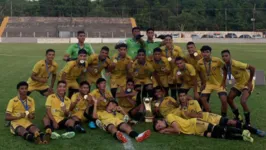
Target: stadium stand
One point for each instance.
(65, 26)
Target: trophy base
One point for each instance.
(148, 119)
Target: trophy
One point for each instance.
(147, 103)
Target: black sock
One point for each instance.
(173, 93)
(28, 137)
(236, 113)
(70, 129)
(224, 114)
(113, 91)
(238, 125)
(251, 129)
(133, 134)
(247, 117)
(233, 130)
(138, 98)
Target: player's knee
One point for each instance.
(243, 102)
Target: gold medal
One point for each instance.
(105, 100)
(195, 54)
(129, 90)
(157, 104)
(230, 81)
(96, 70)
(115, 61)
(178, 73)
(27, 113)
(62, 104)
(85, 96)
(169, 59)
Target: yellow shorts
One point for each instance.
(213, 119)
(79, 115)
(188, 87)
(201, 127)
(25, 123)
(115, 121)
(241, 87)
(73, 84)
(163, 79)
(210, 88)
(93, 78)
(35, 86)
(118, 82)
(142, 81)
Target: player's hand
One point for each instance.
(55, 125)
(31, 116)
(22, 115)
(94, 100)
(43, 80)
(196, 96)
(78, 99)
(118, 108)
(250, 86)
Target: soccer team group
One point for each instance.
(139, 69)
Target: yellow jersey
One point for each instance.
(120, 67)
(43, 70)
(81, 105)
(239, 72)
(166, 107)
(142, 71)
(97, 65)
(110, 118)
(107, 96)
(161, 66)
(73, 70)
(54, 103)
(192, 60)
(185, 126)
(186, 75)
(124, 102)
(212, 71)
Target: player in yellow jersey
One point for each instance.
(173, 124)
(210, 69)
(79, 103)
(193, 55)
(57, 111)
(162, 69)
(244, 83)
(119, 68)
(96, 63)
(171, 51)
(186, 73)
(162, 106)
(142, 71)
(21, 111)
(114, 124)
(73, 70)
(41, 72)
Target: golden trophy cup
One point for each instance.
(147, 103)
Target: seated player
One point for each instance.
(21, 111)
(73, 70)
(119, 68)
(96, 63)
(79, 103)
(57, 111)
(171, 51)
(103, 96)
(243, 86)
(127, 100)
(162, 70)
(173, 124)
(114, 124)
(41, 72)
(162, 106)
(186, 73)
(191, 109)
(210, 71)
(142, 71)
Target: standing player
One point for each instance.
(79, 103)
(134, 43)
(142, 71)
(20, 111)
(41, 72)
(162, 70)
(210, 69)
(150, 44)
(244, 83)
(119, 68)
(73, 70)
(96, 63)
(171, 51)
(193, 55)
(57, 111)
(186, 73)
(114, 124)
(72, 51)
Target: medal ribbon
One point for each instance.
(103, 95)
(61, 99)
(25, 105)
(229, 71)
(100, 63)
(208, 70)
(47, 69)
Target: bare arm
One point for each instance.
(53, 81)
(35, 78)
(9, 117)
(252, 72)
(94, 115)
(49, 114)
(173, 129)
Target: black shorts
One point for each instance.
(238, 93)
(41, 92)
(118, 127)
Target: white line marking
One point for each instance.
(18, 55)
(128, 145)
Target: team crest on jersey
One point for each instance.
(15, 100)
(53, 96)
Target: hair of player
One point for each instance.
(22, 83)
(157, 49)
(80, 32)
(61, 81)
(179, 58)
(182, 91)
(121, 45)
(135, 28)
(105, 48)
(205, 48)
(190, 43)
(100, 80)
(84, 83)
(154, 123)
(142, 51)
(130, 80)
(149, 29)
(112, 101)
(49, 50)
(82, 51)
(225, 51)
(168, 35)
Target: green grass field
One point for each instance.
(16, 64)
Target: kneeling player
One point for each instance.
(175, 124)
(20, 111)
(78, 106)
(57, 111)
(114, 124)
